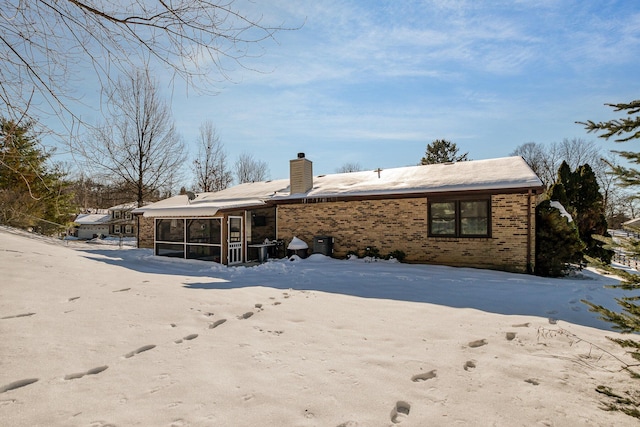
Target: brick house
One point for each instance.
(473, 214)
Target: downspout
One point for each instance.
(530, 266)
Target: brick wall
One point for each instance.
(401, 224)
(145, 230)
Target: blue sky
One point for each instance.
(374, 82)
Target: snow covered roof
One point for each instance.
(208, 204)
(632, 223)
(90, 219)
(493, 174)
(124, 206)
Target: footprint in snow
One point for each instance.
(17, 384)
(424, 376)
(400, 412)
(139, 350)
(187, 338)
(93, 371)
(478, 343)
(15, 316)
(217, 323)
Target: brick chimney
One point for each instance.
(300, 174)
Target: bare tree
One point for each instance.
(47, 42)
(534, 154)
(546, 159)
(248, 169)
(138, 143)
(349, 167)
(210, 165)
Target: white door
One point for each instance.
(234, 240)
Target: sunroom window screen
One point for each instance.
(199, 238)
(204, 231)
(170, 230)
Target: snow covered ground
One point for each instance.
(97, 335)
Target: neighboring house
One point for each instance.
(122, 222)
(115, 221)
(91, 225)
(474, 214)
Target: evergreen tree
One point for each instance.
(625, 129)
(30, 189)
(442, 151)
(579, 193)
(558, 191)
(628, 321)
(558, 243)
(591, 220)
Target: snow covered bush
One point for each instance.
(558, 243)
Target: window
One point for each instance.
(443, 219)
(204, 253)
(116, 229)
(459, 218)
(193, 238)
(128, 229)
(170, 230)
(116, 214)
(170, 250)
(235, 229)
(127, 215)
(204, 231)
(474, 218)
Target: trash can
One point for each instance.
(297, 247)
(323, 245)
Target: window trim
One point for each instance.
(458, 218)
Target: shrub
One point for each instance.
(372, 252)
(397, 254)
(353, 252)
(558, 243)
